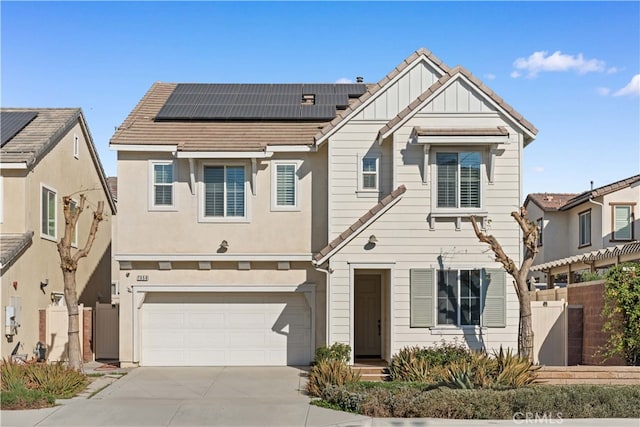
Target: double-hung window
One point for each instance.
(584, 228)
(540, 224)
(369, 174)
(224, 191)
(458, 180)
(73, 205)
(459, 297)
(285, 186)
(622, 221)
(162, 192)
(48, 213)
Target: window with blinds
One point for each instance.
(622, 217)
(163, 184)
(458, 180)
(224, 191)
(49, 213)
(285, 184)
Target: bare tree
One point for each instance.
(69, 266)
(519, 274)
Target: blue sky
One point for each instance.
(572, 69)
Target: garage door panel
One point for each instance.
(215, 329)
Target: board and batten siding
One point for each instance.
(405, 239)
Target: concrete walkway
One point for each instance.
(218, 396)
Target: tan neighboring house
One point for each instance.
(258, 222)
(585, 232)
(46, 153)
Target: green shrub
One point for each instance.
(336, 351)
(327, 373)
(426, 364)
(514, 371)
(24, 398)
(552, 402)
(621, 312)
(56, 379)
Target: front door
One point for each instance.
(367, 316)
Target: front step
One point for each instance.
(372, 373)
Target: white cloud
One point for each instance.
(612, 70)
(515, 74)
(604, 91)
(632, 89)
(540, 61)
(538, 169)
(344, 80)
(490, 76)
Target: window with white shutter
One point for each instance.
(284, 182)
(622, 219)
(161, 195)
(494, 307)
(421, 282)
(224, 191)
(458, 179)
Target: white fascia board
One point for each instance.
(377, 95)
(213, 257)
(357, 233)
(307, 287)
(14, 166)
(142, 147)
(462, 140)
(223, 154)
(291, 149)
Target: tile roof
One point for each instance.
(141, 128)
(374, 88)
(12, 245)
(449, 75)
(601, 191)
(495, 131)
(42, 133)
(631, 248)
(359, 225)
(549, 201)
(112, 182)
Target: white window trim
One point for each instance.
(274, 186)
(247, 192)
(456, 212)
(580, 216)
(151, 186)
(53, 237)
(368, 192)
(615, 206)
(76, 146)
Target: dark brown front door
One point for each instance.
(367, 316)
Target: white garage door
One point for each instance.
(225, 329)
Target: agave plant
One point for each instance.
(330, 372)
(514, 371)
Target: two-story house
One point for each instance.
(46, 154)
(260, 221)
(585, 232)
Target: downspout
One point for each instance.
(601, 218)
(327, 292)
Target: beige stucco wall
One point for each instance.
(67, 175)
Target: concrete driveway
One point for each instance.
(208, 396)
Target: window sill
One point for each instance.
(285, 209)
(49, 238)
(224, 220)
(458, 215)
(163, 209)
(457, 330)
(586, 245)
(368, 193)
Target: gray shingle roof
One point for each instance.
(12, 245)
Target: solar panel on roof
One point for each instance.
(12, 122)
(240, 101)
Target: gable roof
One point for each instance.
(601, 191)
(34, 140)
(549, 201)
(566, 201)
(374, 89)
(363, 222)
(450, 76)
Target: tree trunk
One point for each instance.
(70, 295)
(525, 333)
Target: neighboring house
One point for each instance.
(585, 232)
(258, 222)
(47, 153)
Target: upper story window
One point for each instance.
(285, 186)
(73, 205)
(459, 297)
(224, 191)
(584, 228)
(369, 173)
(622, 222)
(458, 180)
(49, 213)
(540, 224)
(162, 191)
